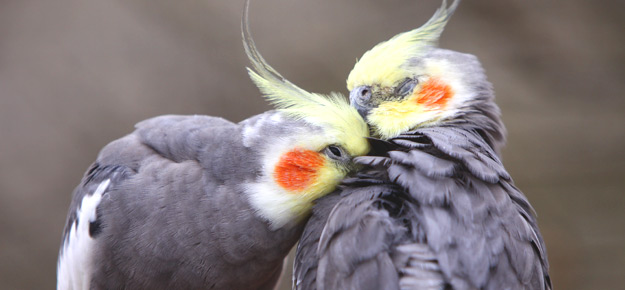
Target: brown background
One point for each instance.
(75, 75)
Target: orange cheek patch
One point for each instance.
(297, 169)
(434, 94)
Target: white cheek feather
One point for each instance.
(449, 74)
(272, 202)
(75, 263)
(268, 199)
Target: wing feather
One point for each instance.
(451, 218)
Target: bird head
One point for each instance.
(407, 83)
(314, 154)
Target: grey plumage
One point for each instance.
(175, 215)
(433, 209)
(458, 228)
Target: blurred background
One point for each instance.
(75, 75)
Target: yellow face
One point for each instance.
(433, 92)
(311, 174)
(301, 168)
(397, 89)
(306, 175)
(423, 105)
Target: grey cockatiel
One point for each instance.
(198, 202)
(435, 208)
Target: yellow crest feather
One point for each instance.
(388, 62)
(332, 112)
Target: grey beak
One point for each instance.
(360, 98)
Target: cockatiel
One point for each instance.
(435, 209)
(199, 202)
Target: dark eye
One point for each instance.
(334, 152)
(406, 87)
(364, 92)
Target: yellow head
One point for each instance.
(405, 82)
(310, 158)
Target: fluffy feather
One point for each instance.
(388, 62)
(332, 112)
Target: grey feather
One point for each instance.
(408, 143)
(361, 258)
(418, 266)
(476, 224)
(175, 215)
(373, 160)
(468, 229)
(428, 165)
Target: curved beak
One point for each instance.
(360, 99)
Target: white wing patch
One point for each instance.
(252, 131)
(74, 266)
(419, 267)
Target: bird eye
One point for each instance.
(364, 92)
(334, 152)
(361, 94)
(406, 87)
